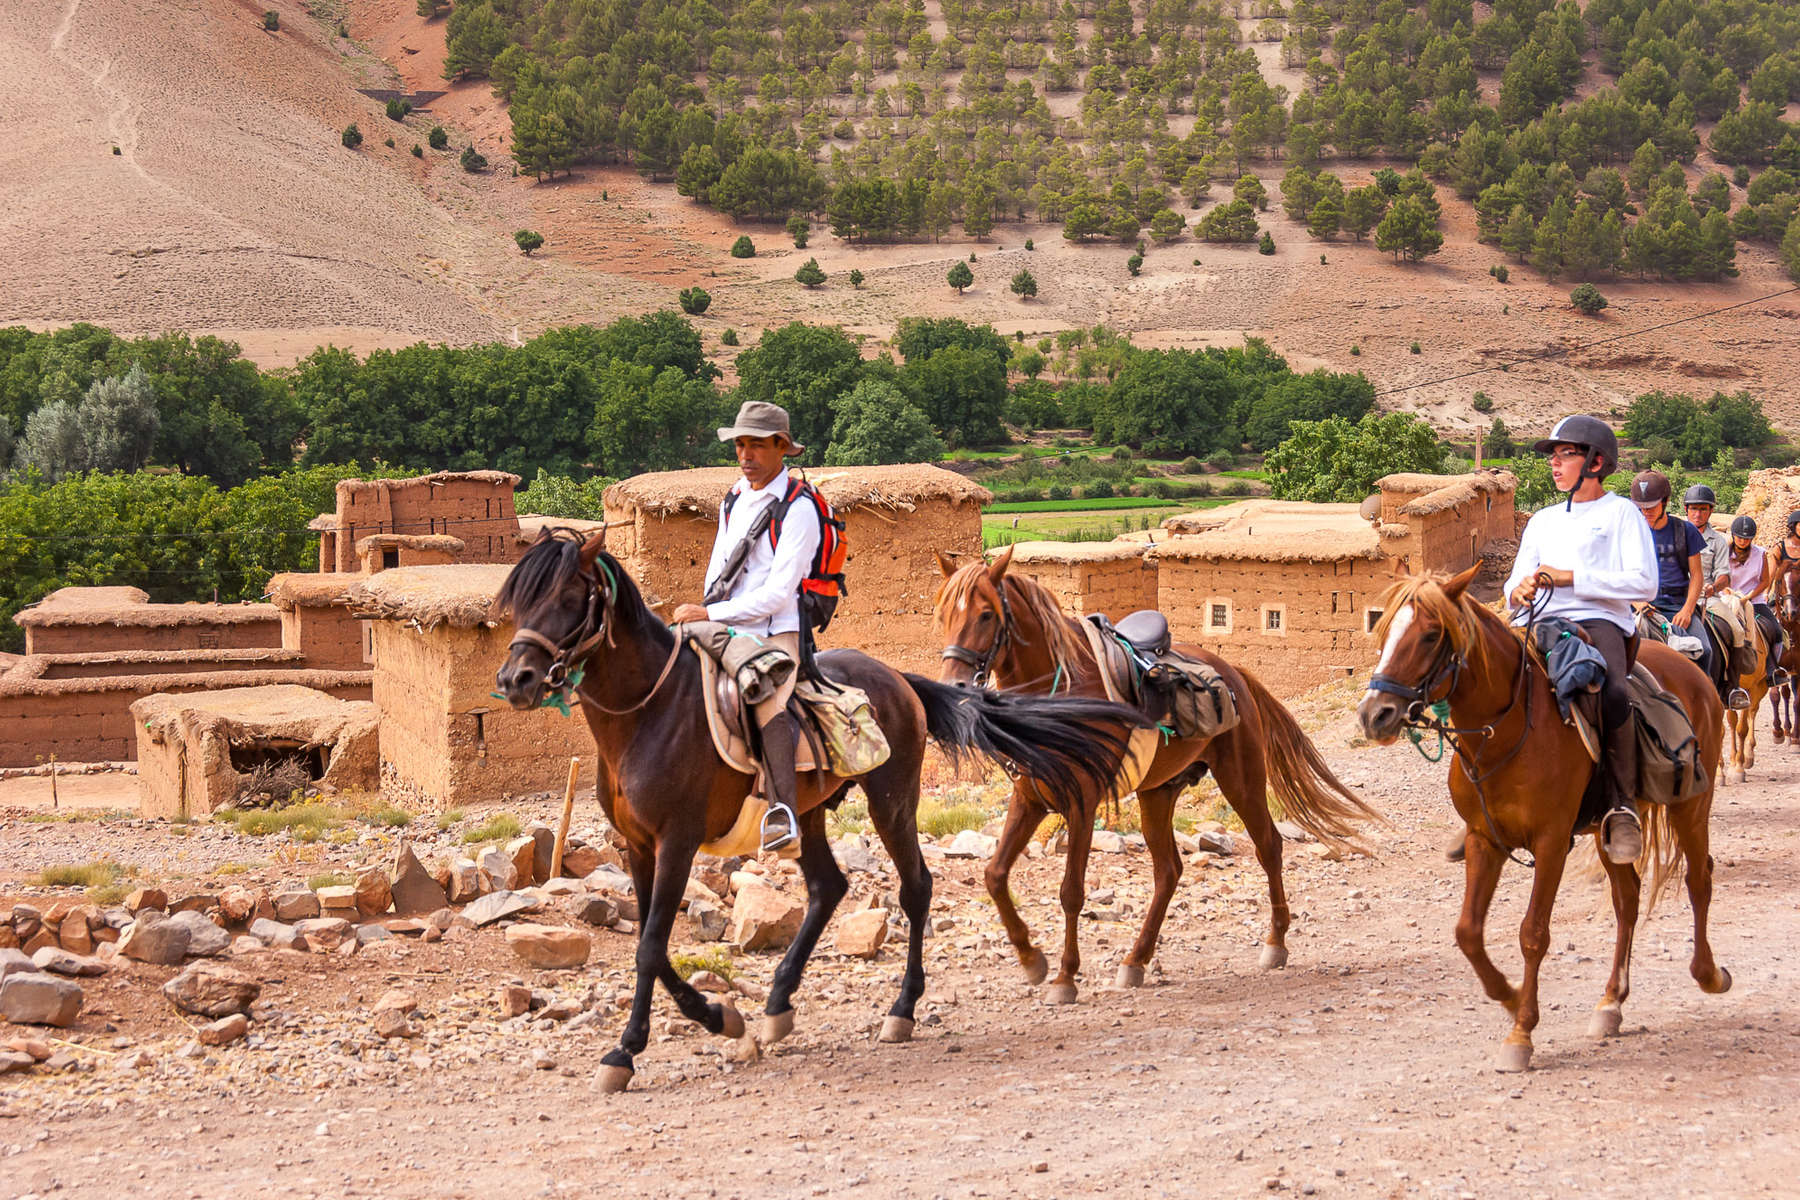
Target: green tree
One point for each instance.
(876, 423)
(798, 228)
(560, 496)
(1326, 216)
(1335, 460)
(472, 160)
(856, 278)
(743, 247)
(1790, 249)
(646, 419)
(1250, 190)
(1166, 225)
(528, 240)
(960, 276)
(1231, 222)
(1170, 402)
(694, 300)
(1407, 232)
(1023, 285)
(810, 274)
(920, 337)
(437, 139)
(699, 169)
(962, 391)
(1499, 443)
(1310, 397)
(1587, 299)
(1519, 233)
(804, 368)
(352, 136)
(1363, 209)
(541, 143)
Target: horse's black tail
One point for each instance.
(1067, 745)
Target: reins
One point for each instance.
(568, 658)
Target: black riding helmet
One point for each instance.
(1701, 494)
(1744, 527)
(1591, 434)
(1792, 522)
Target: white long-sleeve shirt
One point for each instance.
(1606, 543)
(766, 597)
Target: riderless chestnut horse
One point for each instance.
(1010, 629)
(1518, 778)
(583, 627)
(1786, 603)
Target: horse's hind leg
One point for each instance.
(1609, 1014)
(1156, 810)
(1689, 822)
(1023, 816)
(825, 886)
(1244, 781)
(893, 807)
(1073, 895)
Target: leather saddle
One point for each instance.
(1145, 632)
(732, 723)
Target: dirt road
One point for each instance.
(1361, 1069)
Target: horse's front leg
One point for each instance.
(1550, 852)
(616, 1067)
(1023, 816)
(1482, 864)
(825, 886)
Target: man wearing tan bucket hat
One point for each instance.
(753, 585)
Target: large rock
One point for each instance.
(154, 938)
(970, 843)
(274, 933)
(143, 898)
(497, 906)
(764, 919)
(205, 938)
(58, 961)
(1107, 842)
(223, 1031)
(296, 905)
(609, 879)
(414, 890)
(861, 934)
(76, 931)
(523, 853)
(854, 853)
(590, 910)
(210, 989)
(15, 962)
(549, 947)
(39, 999)
(324, 934)
(498, 871)
(1215, 843)
(708, 920)
(339, 899)
(579, 861)
(374, 894)
(237, 904)
(543, 850)
(465, 881)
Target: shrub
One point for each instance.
(1483, 402)
(1265, 244)
(1499, 272)
(1191, 465)
(117, 151)
(1587, 299)
(418, 151)
(398, 110)
(1061, 491)
(437, 139)
(388, 142)
(971, 256)
(1100, 489)
(743, 247)
(1135, 263)
(352, 136)
(473, 160)
(798, 229)
(271, 20)
(728, 338)
(496, 828)
(810, 273)
(1355, 351)
(528, 240)
(1024, 285)
(1121, 454)
(856, 278)
(1415, 348)
(694, 300)
(1029, 245)
(1321, 260)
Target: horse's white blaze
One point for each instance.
(1396, 630)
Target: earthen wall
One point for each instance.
(194, 632)
(477, 510)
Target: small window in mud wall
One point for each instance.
(368, 640)
(1274, 619)
(1218, 615)
(390, 557)
(1371, 618)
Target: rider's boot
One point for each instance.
(1621, 833)
(781, 824)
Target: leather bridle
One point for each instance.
(566, 656)
(983, 661)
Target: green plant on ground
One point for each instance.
(939, 819)
(852, 816)
(272, 21)
(448, 818)
(729, 338)
(352, 136)
(743, 247)
(472, 160)
(304, 822)
(96, 873)
(810, 274)
(330, 879)
(528, 240)
(418, 151)
(856, 278)
(437, 139)
(497, 828)
(717, 959)
(398, 110)
(388, 816)
(694, 300)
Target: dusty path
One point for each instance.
(1359, 1070)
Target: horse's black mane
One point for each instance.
(555, 558)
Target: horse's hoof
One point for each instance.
(776, 1026)
(731, 1022)
(1721, 983)
(1605, 1022)
(1037, 967)
(1129, 976)
(1513, 1058)
(896, 1029)
(1737, 777)
(1272, 957)
(613, 1079)
(1060, 993)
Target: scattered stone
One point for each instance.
(274, 933)
(579, 861)
(143, 898)
(392, 1023)
(498, 871)
(372, 932)
(223, 1031)
(861, 934)
(205, 938)
(1107, 842)
(60, 962)
(37, 1049)
(40, 999)
(764, 919)
(412, 887)
(374, 894)
(76, 930)
(399, 999)
(197, 902)
(610, 879)
(237, 904)
(523, 853)
(211, 989)
(591, 910)
(563, 886)
(708, 920)
(707, 981)
(137, 1060)
(298, 905)
(339, 898)
(497, 906)
(1292, 832)
(465, 881)
(154, 938)
(515, 1000)
(322, 935)
(543, 850)
(244, 944)
(854, 853)
(1187, 843)
(1215, 843)
(405, 926)
(549, 947)
(12, 1060)
(442, 919)
(542, 1061)
(561, 1010)
(45, 936)
(15, 962)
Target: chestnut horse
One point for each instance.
(1741, 723)
(1518, 778)
(1010, 628)
(1786, 603)
(583, 627)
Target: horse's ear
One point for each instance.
(1460, 582)
(997, 568)
(590, 549)
(946, 567)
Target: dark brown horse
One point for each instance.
(1518, 780)
(583, 625)
(1786, 603)
(1010, 628)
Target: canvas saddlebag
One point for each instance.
(1199, 702)
(1669, 766)
(854, 742)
